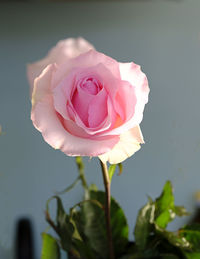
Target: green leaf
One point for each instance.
(144, 225)
(191, 255)
(84, 250)
(93, 227)
(111, 171)
(165, 210)
(90, 222)
(63, 225)
(93, 187)
(112, 168)
(50, 248)
(181, 211)
(119, 224)
(173, 238)
(192, 234)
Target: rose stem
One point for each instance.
(80, 165)
(106, 180)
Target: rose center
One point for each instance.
(90, 85)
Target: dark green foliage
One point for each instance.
(82, 232)
(153, 240)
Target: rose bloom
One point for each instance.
(86, 103)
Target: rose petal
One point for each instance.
(97, 110)
(125, 101)
(94, 63)
(81, 101)
(41, 91)
(131, 72)
(64, 90)
(63, 51)
(129, 143)
(46, 120)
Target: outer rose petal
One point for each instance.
(63, 51)
(46, 120)
(94, 62)
(133, 74)
(129, 143)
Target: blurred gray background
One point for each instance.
(162, 36)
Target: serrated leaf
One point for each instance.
(50, 248)
(143, 225)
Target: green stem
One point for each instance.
(80, 166)
(106, 181)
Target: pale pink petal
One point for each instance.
(132, 73)
(81, 101)
(128, 144)
(64, 90)
(61, 102)
(93, 58)
(125, 101)
(103, 126)
(41, 91)
(75, 130)
(97, 109)
(64, 50)
(62, 94)
(92, 63)
(46, 120)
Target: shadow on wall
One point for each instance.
(24, 242)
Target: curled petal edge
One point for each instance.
(128, 144)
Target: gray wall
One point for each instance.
(164, 38)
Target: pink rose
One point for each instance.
(86, 103)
